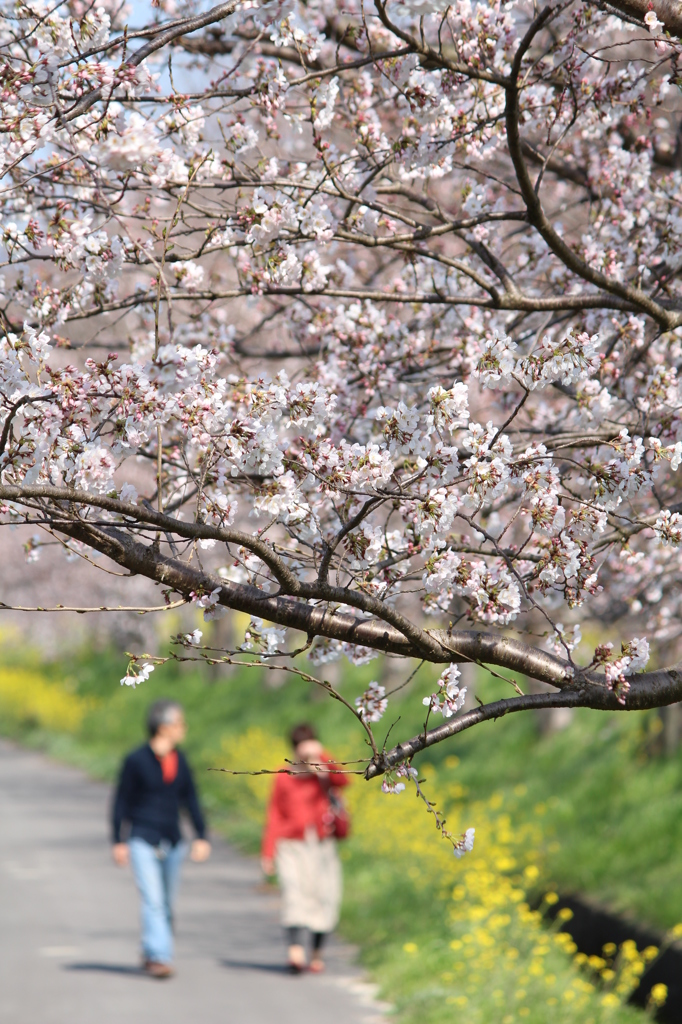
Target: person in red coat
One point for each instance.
(299, 845)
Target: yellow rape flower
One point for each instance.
(27, 696)
(658, 994)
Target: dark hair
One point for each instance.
(160, 713)
(302, 732)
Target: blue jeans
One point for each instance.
(157, 873)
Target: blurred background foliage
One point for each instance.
(595, 808)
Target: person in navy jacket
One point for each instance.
(155, 783)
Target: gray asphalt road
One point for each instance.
(68, 925)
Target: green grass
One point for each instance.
(603, 818)
(612, 813)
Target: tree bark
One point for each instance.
(667, 11)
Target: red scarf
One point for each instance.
(169, 766)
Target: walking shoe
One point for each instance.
(297, 962)
(157, 970)
(316, 966)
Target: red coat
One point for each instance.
(299, 802)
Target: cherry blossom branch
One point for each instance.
(488, 712)
(434, 57)
(236, 662)
(163, 38)
(536, 214)
(351, 525)
(579, 687)
(14, 409)
(648, 690)
(286, 771)
(117, 547)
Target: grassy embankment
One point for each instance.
(585, 810)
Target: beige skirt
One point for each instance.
(309, 874)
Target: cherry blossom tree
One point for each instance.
(363, 318)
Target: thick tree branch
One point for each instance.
(147, 515)
(392, 633)
(667, 11)
(419, 639)
(488, 712)
(648, 690)
(579, 688)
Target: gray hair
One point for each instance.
(161, 713)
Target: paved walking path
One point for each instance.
(68, 925)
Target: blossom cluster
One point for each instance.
(373, 703)
(449, 697)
